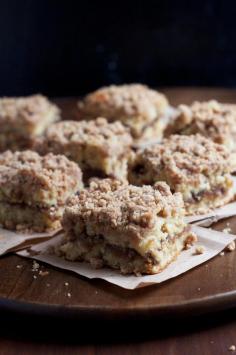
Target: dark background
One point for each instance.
(71, 47)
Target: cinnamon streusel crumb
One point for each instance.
(136, 105)
(97, 146)
(24, 118)
(34, 189)
(27, 177)
(192, 165)
(211, 119)
(124, 206)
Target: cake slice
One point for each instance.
(143, 110)
(133, 229)
(100, 148)
(22, 119)
(34, 189)
(211, 119)
(192, 165)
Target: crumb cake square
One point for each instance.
(193, 165)
(143, 110)
(100, 148)
(133, 229)
(211, 119)
(24, 118)
(34, 189)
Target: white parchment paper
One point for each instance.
(11, 241)
(212, 241)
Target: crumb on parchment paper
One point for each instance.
(199, 250)
(227, 230)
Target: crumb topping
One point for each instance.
(120, 102)
(48, 172)
(25, 109)
(182, 157)
(121, 206)
(96, 133)
(209, 118)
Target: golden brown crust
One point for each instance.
(24, 112)
(135, 105)
(212, 119)
(122, 207)
(100, 148)
(26, 177)
(183, 159)
(108, 137)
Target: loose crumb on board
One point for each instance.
(232, 348)
(35, 266)
(222, 253)
(66, 284)
(19, 266)
(43, 273)
(231, 246)
(69, 294)
(48, 284)
(35, 277)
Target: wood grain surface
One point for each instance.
(211, 286)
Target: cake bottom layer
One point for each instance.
(98, 252)
(23, 218)
(206, 200)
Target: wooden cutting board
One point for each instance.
(57, 293)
